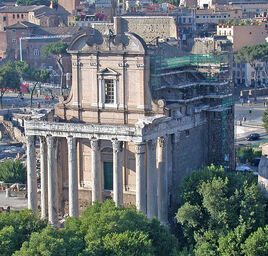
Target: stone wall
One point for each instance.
(146, 27)
(14, 132)
(189, 153)
(150, 27)
(221, 139)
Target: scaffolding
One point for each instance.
(192, 60)
(211, 66)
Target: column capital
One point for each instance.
(140, 147)
(162, 141)
(152, 143)
(42, 139)
(71, 140)
(117, 146)
(94, 143)
(50, 140)
(30, 140)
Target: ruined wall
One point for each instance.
(203, 45)
(150, 27)
(14, 132)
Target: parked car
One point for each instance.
(244, 168)
(253, 136)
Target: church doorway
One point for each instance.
(108, 175)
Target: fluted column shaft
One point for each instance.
(43, 170)
(73, 179)
(140, 177)
(96, 189)
(52, 209)
(151, 179)
(162, 201)
(31, 174)
(117, 174)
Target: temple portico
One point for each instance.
(150, 166)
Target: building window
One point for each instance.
(14, 30)
(4, 18)
(21, 16)
(14, 40)
(109, 90)
(187, 133)
(36, 52)
(13, 16)
(18, 16)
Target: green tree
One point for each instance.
(9, 79)
(20, 66)
(218, 206)
(12, 172)
(253, 55)
(15, 228)
(8, 241)
(37, 76)
(48, 242)
(103, 230)
(265, 119)
(57, 50)
(102, 220)
(257, 243)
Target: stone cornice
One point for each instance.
(144, 130)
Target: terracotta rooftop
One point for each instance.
(19, 9)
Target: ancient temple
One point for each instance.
(131, 128)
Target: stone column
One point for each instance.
(43, 170)
(162, 201)
(140, 177)
(151, 179)
(52, 209)
(31, 174)
(73, 179)
(58, 169)
(96, 188)
(117, 174)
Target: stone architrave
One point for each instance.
(73, 177)
(140, 177)
(117, 173)
(31, 174)
(52, 209)
(151, 179)
(96, 190)
(162, 189)
(43, 170)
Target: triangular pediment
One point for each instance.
(108, 71)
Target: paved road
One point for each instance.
(252, 125)
(15, 202)
(243, 111)
(11, 100)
